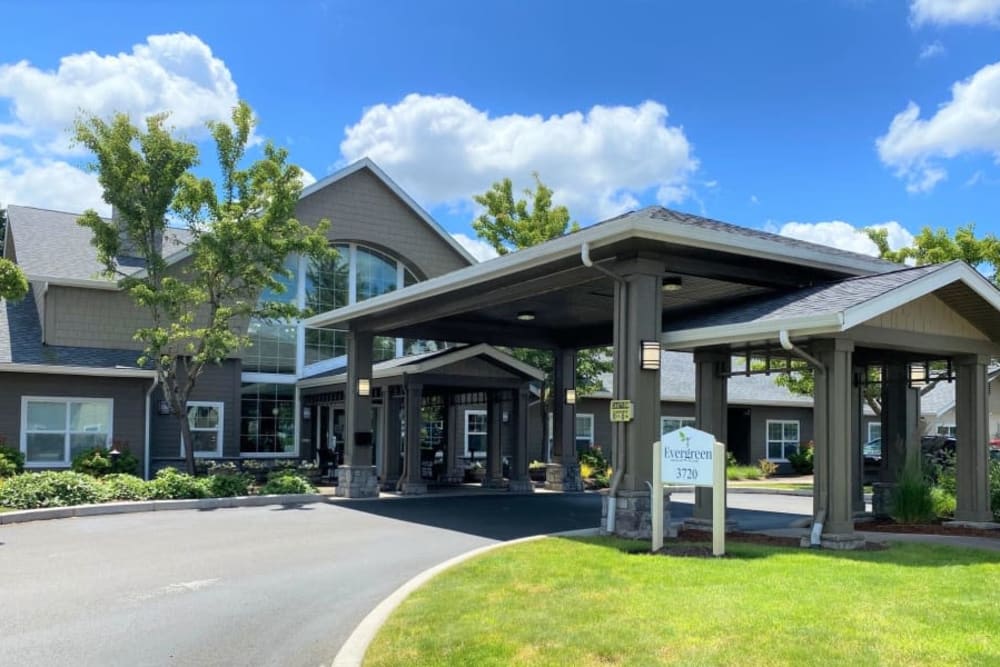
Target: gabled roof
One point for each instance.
(834, 307)
(367, 163)
(430, 361)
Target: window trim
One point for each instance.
(868, 428)
(664, 418)
(65, 400)
(258, 378)
(768, 441)
(576, 436)
(220, 429)
(465, 441)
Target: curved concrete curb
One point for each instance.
(352, 653)
(21, 516)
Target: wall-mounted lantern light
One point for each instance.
(163, 407)
(571, 397)
(650, 355)
(307, 412)
(364, 387)
(918, 375)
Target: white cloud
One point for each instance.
(478, 248)
(50, 184)
(175, 72)
(955, 12)
(845, 236)
(599, 162)
(754, 200)
(968, 123)
(307, 178)
(932, 50)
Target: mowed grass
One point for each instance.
(590, 602)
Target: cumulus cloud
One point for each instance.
(955, 12)
(599, 162)
(932, 50)
(307, 178)
(50, 184)
(968, 123)
(845, 236)
(478, 248)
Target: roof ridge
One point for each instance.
(42, 208)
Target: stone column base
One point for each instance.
(521, 486)
(706, 524)
(413, 488)
(494, 483)
(357, 482)
(389, 484)
(633, 516)
(836, 541)
(563, 477)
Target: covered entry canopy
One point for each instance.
(630, 279)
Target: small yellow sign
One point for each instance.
(621, 411)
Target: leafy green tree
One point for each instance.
(510, 224)
(241, 230)
(13, 282)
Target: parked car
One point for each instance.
(872, 452)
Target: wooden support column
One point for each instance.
(494, 423)
(832, 499)
(412, 483)
(357, 478)
(711, 405)
(972, 439)
(858, 436)
(563, 473)
(520, 481)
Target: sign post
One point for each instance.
(690, 457)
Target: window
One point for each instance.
(377, 274)
(267, 422)
(782, 438)
(206, 421)
(874, 430)
(946, 429)
(670, 424)
(54, 430)
(584, 431)
(475, 433)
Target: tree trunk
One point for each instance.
(186, 439)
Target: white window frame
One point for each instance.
(768, 441)
(65, 400)
(869, 427)
(685, 421)
(468, 454)
(220, 428)
(576, 436)
(946, 430)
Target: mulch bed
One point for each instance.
(884, 526)
(692, 543)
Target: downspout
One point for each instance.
(815, 537)
(149, 418)
(620, 317)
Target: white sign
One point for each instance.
(688, 457)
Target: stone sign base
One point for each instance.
(563, 477)
(633, 516)
(357, 482)
(706, 525)
(837, 542)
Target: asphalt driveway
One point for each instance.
(246, 586)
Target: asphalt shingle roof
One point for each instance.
(50, 243)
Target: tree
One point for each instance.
(240, 231)
(13, 282)
(509, 225)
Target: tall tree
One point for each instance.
(13, 282)
(241, 229)
(510, 224)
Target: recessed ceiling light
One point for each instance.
(526, 315)
(671, 284)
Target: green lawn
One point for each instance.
(589, 602)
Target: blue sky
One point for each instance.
(808, 118)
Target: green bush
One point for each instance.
(170, 484)
(943, 501)
(10, 460)
(99, 462)
(738, 472)
(280, 484)
(731, 460)
(119, 486)
(229, 485)
(49, 489)
(911, 498)
(767, 468)
(594, 457)
(802, 460)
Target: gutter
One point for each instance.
(88, 371)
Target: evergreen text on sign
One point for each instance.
(687, 457)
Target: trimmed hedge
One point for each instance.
(50, 489)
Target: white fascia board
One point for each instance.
(727, 334)
(947, 274)
(398, 191)
(88, 283)
(47, 369)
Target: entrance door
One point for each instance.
(738, 430)
(377, 437)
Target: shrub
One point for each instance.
(594, 457)
(223, 468)
(743, 472)
(49, 489)
(767, 468)
(911, 498)
(98, 462)
(995, 489)
(586, 471)
(731, 460)
(229, 485)
(802, 460)
(119, 486)
(281, 484)
(536, 465)
(10, 459)
(173, 485)
(943, 501)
